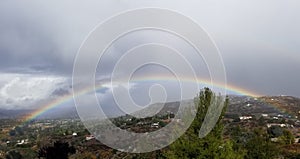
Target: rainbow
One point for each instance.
(64, 99)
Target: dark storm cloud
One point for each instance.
(259, 41)
(25, 42)
(60, 92)
(46, 35)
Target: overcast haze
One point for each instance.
(258, 40)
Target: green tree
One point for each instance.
(275, 131)
(13, 155)
(19, 130)
(212, 145)
(287, 137)
(12, 132)
(261, 121)
(260, 146)
(59, 150)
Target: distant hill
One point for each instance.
(243, 105)
(163, 108)
(67, 112)
(57, 113)
(288, 104)
(246, 105)
(13, 114)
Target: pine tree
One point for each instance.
(212, 145)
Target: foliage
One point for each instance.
(260, 146)
(211, 146)
(287, 137)
(12, 132)
(13, 155)
(85, 155)
(59, 150)
(275, 131)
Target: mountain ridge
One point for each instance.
(242, 105)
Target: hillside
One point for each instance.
(288, 104)
(242, 105)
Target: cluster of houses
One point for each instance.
(19, 142)
(294, 127)
(245, 117)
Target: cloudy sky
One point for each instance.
(258, 41)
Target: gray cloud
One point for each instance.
(259, 41)
(60, 92)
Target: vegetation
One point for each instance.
(59, 150)
(211, 146)
(231, 137)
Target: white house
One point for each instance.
(89, 137)
(264, 115)
(275, 124)
(156, 125)
(245, 117)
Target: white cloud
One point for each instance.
(25, 91)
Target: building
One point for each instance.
(275, 124)
(245, 117)
(89, 137)
(155, 125)
(264, 115)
